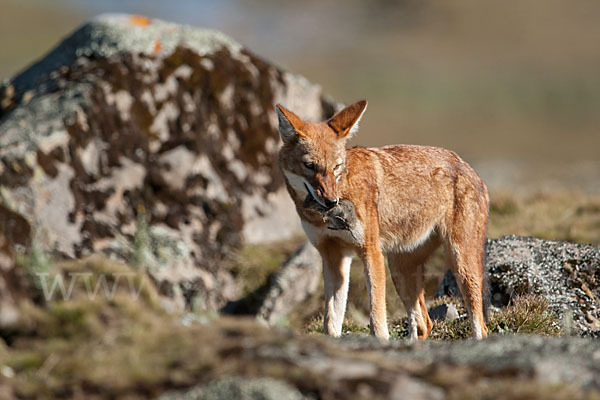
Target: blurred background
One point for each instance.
(512, 87)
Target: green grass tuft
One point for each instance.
(315, 327)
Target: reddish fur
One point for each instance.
(400, 193)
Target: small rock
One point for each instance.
(444, 312)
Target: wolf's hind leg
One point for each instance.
(408, 276)
(466, 261)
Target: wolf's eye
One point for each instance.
(309, 164)
(338, 169)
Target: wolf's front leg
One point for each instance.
(336, 274)
(375, 276)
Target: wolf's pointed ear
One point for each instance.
(290, 124)
(345, 122)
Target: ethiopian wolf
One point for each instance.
(408, 200)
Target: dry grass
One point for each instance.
(568, 216)
(315, 326)
(125, 343)
(524, 315)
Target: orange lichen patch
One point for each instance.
(157, 46)
(140, 20)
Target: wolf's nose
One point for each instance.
(330, 202)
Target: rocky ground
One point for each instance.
(565, 274)
(128, 346)
(139, 200)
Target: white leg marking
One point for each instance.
(336, 295)
(476, 328)
(412, 325)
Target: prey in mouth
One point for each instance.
(340, 217)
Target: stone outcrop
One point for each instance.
(135, 122)
(296, 280)
(566, 274)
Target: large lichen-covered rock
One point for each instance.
(132, 120)
(566, 274)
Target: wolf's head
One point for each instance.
(313, 155)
